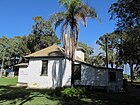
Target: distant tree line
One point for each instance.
(11, 49)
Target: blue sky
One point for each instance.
(16, 18)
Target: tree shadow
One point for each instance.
(95, 98)
(14, 94)
(10, 93)
(23, 95)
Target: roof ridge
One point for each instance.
(50, 48)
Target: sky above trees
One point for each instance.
(17, 18)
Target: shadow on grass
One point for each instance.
(23, 95)
(8, 93)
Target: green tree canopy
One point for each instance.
(42, 35)
(109, 44)
(126, 12)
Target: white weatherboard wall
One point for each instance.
(95, 76)
(59, 73)
(92, 76)
(23, 75)
(101, 77)
(116, 86)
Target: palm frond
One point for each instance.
(58, 23)
(64, 27)
(57, 17)
(83, 17)
(88, 11)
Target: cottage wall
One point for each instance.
(116, 86)
(59, 73)
(23, 75)
(99, 77)
(92, 76)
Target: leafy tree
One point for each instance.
(126, 12)
(4, 51)
(75, 10)
(10, 49)
(109, 40)
(98, 60)
(19, 45)
(129, 49)
(42, 35)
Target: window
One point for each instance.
(112, 76)
(77, 72)
(44, 67)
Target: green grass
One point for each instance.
(21, 96)
(10, 95)
(8, 81)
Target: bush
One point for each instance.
(56, 91)
(73, 92)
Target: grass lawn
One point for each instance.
(8, 81)
(10, 95)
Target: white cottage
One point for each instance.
(49, 68)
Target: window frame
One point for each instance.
(111, 76)
(79, 74)
(44, 69)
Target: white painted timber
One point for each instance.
(59, 73)
(23, 75)
(79, 54)
(93, 76)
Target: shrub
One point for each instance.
(73, 92)
(55, 92)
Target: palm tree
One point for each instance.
(75, 10)
(108, 44)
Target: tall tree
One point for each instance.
(4, 51)
(126, 12)
(109, 40)
(99, 60)
(42, 35)
(75, 10)
(19, 44)
(10, 49)
(129, 50)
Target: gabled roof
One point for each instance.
(53, 50)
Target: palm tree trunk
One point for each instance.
(73, 57)
(106, 41)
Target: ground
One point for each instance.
(13, 95)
